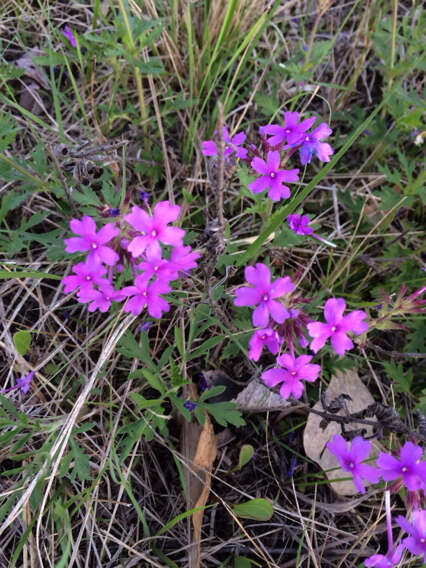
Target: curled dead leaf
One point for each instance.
(315, 438)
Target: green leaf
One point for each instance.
(257, 509)
(81, 462)
(22, 341)
(246, 453)
(6, 274)
(143, 403)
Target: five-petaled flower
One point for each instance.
(294, 371)
(264, 295)
(272, 176)
(416, 542)
(92, 241)
(154, 229)
(351, 459)
(300, 224)
(337, 327)
(409, 466)
(313, 143)
(292, 131)
(261, 337)
(102, 298)
(87, 274)
(382, 561)
(232, 145)
(145, 294)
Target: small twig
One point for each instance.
(221, 165)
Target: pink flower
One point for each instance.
(67, 32)
(22, 383)
(261, 337)
(92, 241)
(337, 327)
(416, 542)
(312, 143)
(88, 273)
(155, 265)
(299, 224)
(382, 561)
(145, 294)
(154, 229)
(272, 177)
(294, 372)
(184, 259)
(264, 295)
(232, 145)
(292, 131)
(409, 466)
(101, 299)
(350, 459)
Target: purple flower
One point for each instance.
(264, 295)
(350, 459)
(191, 406)
(261, 337)
(292, 131)
(299, 224)
(67, 32)
(183, 259)
(92, 241)
(154, 229)
(22, 383)
(145, 294)
(231, 145)
(416, 542)
(409, 466)
(272, 177)
(101, 299)
(382, 561)
(337, 327)
(155, 265)
(312, 143)
(294, 372)
(88, 273)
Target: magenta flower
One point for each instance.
(67, 32)
(232, 145)
(337, 327)
(351, 459)
(154, 229)
(272, 177)
(416, 542)
(88, 273)
(292, 131)
(299, 224)
(382, 561)
(145, 294)
(409, 466)
(155, 265)
(261, 337)
(184, 259)
(92, 241)
(312, 143)
(294, 372)
(264, 295)
(101, 299)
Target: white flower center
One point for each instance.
(88, 278)
(263, 337)
(154, 233)
(404, 469)
(94, 246)
(333, 329)
(156, 268)
(272, 175)
(145, 294)
(423, 540)
(293, 373)
(265, 297)
(287, 130)
(307, 139)
(351, 465)
(107, 298)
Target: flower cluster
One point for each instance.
(281, 323)
(136, 242)
(409, 470)
(276, 150)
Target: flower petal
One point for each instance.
(333, 310)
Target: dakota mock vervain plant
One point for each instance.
(410, 467)
(136, 242)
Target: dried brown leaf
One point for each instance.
(315, 438)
